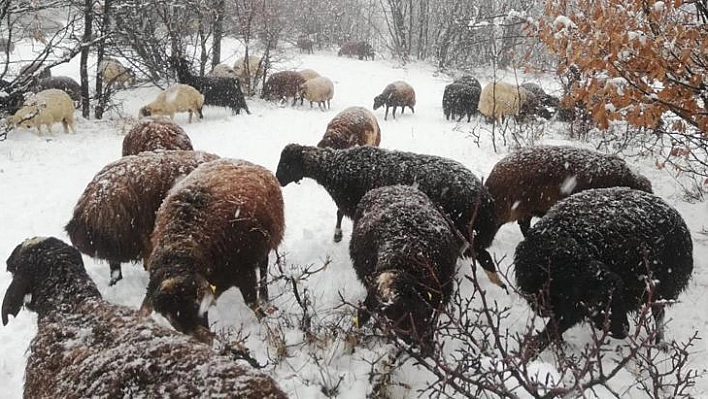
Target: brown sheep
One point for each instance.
(239, 209)
(396, 94)
(527, 182)
(115, 215)
(362, 50)
(155, 134)
(87, 347)
(283, 85)
(351, 127)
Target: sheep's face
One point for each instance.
(183, 300)
(290, 168)
(379, 101)
(145, 111)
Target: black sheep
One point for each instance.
(460, 99)
(86, 347)
(469, 80)
(596, 250)
(348, 174)
(65, 83)
(218, 91)
(404, 251)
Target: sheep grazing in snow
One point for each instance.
(65, 83)
(351, 127)
(12, 97)
(499, 100)
(177, 98)
(469, 80)
(362, 50)
(155, 134)
(349, 173)
(45, 109)
(460, 99)
(239, 209)
(115, 215)
(217, 91)
(404, 251)
(222, 71)
(308, 74)
(319, 90)
(86, 347)
(282, 85)
(527, 182)
(253, 70)
(114, 74)
(396, 94)
(596, 253)
(304, 44)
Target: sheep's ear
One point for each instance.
(168, 285)
(14, 297)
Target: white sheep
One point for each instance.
(249, 73)
(500, 99)
(308, 73)
(45, 108)
(115, 74)
(224, 71)
(319, 90)
(177, 98)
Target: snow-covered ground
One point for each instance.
(42, 176)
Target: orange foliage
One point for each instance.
(637, 59)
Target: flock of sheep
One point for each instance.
(603, 246)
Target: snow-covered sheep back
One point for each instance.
(155, 134)
(176, 98)
(396, 94)
(283, 85)
(500, 100)
(45, 109)
(86, 347)
(599, 250)
(318, 90)
(308, 74)
(213, 231)
(404, 251)
(114, 216)
(527, 182)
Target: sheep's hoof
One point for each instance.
(338, 237)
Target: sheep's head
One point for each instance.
(290, 168)
(183, 300)
(379, 101)
(49, 270)
(145, 111)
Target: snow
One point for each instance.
(42, 176)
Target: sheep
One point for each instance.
(308, 74)
(304, 44)
(176, 98)
(544, 100)
(460, 99)
(396, 94)
(596, 254)
(349, 173)
(363, 50)
(35, 68)
(353, 126)
(249, 73)
(65, 83)
(499, 100)
(404, 251)
(155, 134)
(222, 70)
(218, 91)
(87, 347)
(282, 85)
(239, 209)
(114, 74)
(45, 108)
(527, 182)
(469, 80)
(319, 90)
(115, 215)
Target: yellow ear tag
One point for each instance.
(430, 296)
(213, 289)
(355, 319)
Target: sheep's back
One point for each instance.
(500, 99)
(58, 104)
(630, 231)
(114, 216)
(529, 181)
(282, 84)
(399, 93)
(155, 134)
(308, 74)
(353, 126)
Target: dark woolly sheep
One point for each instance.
(362, 50)
(214, 229)
(404, 251)
(86, 347)
(460, 99)
(348, 174)
(36, 70)
(115, 215)
(544, 103)
(351, 127)
(598, 251)
(218, 91)
(12, 97)
(65, 83)
(469, 80)
(155, 134)
(396, 94)
(304, 44)
(282, 85)
(527, 182)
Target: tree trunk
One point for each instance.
(100, 50)
(218, 31)
(83, 67)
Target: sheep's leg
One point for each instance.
(199, 111)
(189, 120)
(248, 291)
(338, 226)
(608, 287)
(386, 113)
(412, 110)
(263, 282)
(524, 225)
(462, 115)
(116, 273)
(394, 112)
